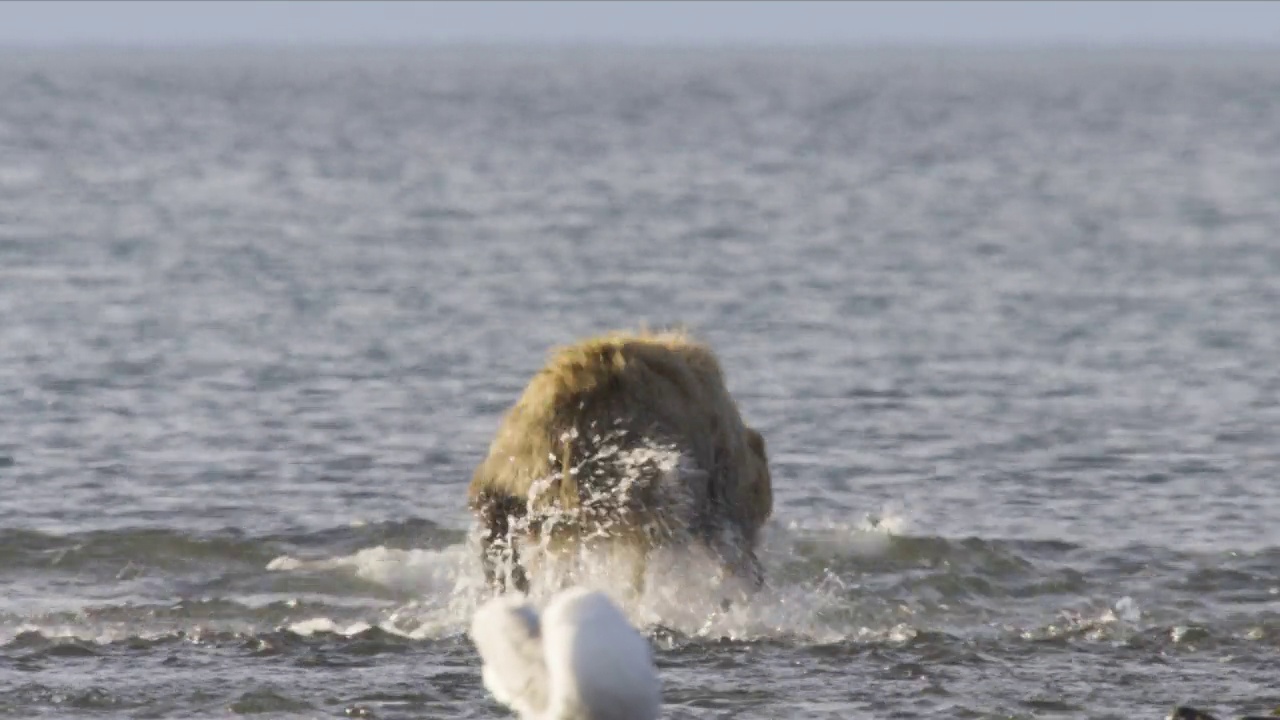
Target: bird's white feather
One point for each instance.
(581, 660)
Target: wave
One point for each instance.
(1105, 627)
(830, 583)
(169, 548)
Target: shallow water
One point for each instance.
(1008, 320)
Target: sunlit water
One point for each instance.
(1009, 321)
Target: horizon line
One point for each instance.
(727, 44)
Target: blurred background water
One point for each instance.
(1008, 319)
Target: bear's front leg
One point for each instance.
(498, 553)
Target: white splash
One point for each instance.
(684, 590)
(581, 660)
(1127, 610)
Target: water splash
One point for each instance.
(685, 590)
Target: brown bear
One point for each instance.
(629, 437)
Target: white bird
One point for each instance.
(581, 660)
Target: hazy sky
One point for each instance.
(172, 22)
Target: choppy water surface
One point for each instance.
(1010, 322)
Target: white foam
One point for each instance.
(1096, 624)
(310, 627)
(419, 572)
(870, 536)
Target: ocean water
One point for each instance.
(1009, 320)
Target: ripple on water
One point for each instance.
(262, 312)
